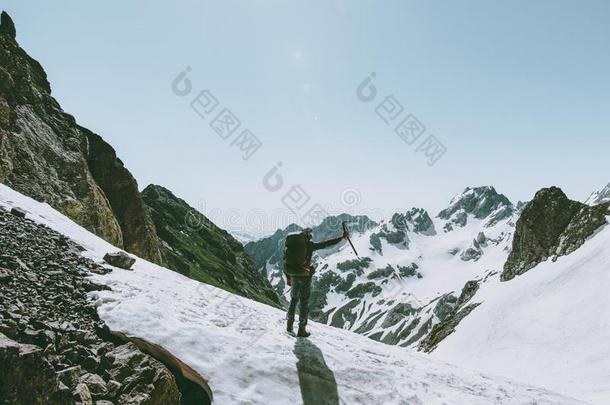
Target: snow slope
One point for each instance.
(549, 326)
(238, 346)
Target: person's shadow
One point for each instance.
(317, 381)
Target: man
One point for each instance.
(300, 280)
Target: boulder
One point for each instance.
(18, 212)
(119, 259)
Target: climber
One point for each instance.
(297, 267)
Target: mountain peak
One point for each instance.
(155, 189)
(600, 196)
(480, 202)
(7, 26)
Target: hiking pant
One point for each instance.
(301, 289)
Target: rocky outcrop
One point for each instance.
(358, 266)
(57, 348)
(551, 225)
(415, 220)
(194, 246)
(321, 285)
(397, 314)
(121, 189)
(450, 311)
(7, 27)
(46, 155)
(360, 290)
(395, 233)
(441, 330)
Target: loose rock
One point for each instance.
(119, 259)
(57, 350)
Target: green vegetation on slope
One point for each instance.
(192, 245)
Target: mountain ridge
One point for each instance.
(47, 155)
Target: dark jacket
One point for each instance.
(311, 247)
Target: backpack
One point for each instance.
(295, 253)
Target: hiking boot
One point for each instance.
(289, 326)
(302, 332)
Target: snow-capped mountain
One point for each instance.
(548, 323)
(600, 196)
(413, 269)
(246, 237)
(236, 348)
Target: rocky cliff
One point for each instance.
(192, 245)
(551, 225)
(46, 155)
(121, 189)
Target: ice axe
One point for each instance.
(344, 224)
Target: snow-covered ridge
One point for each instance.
(548, 326)
(600, 196)
(238, 346)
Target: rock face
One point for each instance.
(58, 350)
(46, 155)
(551, 225)
(416, 220)
(450, 312)
(121, 189)
(7, 27)
(194, 246)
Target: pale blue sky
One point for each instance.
(518, 92)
